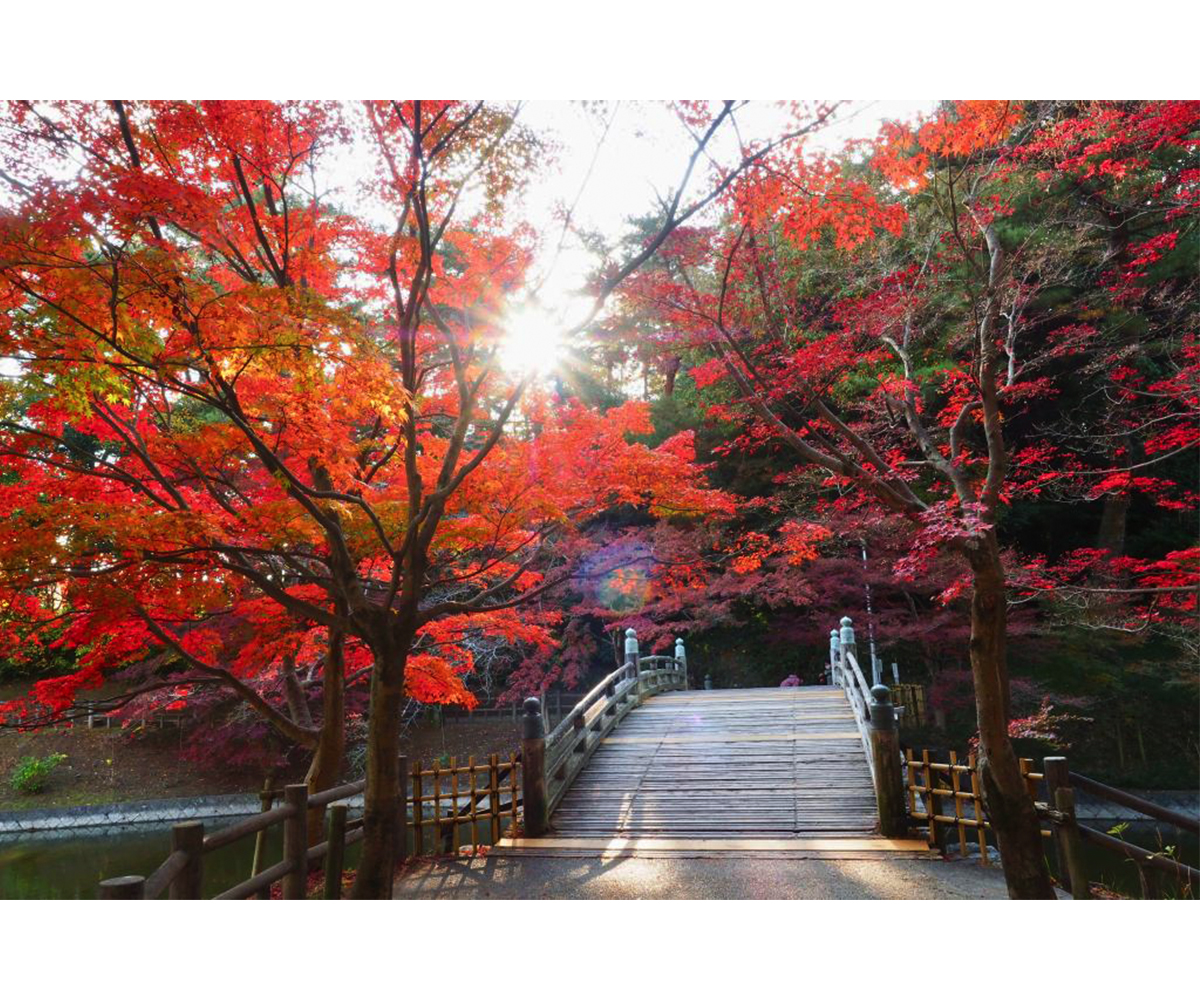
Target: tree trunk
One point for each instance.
(671, 371)
(326, 766)
(1111, 533)
(1009, 807)
(381, 807)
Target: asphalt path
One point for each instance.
(541, 877)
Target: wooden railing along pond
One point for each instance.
(489, 793)
(484, 787)
(966, 817)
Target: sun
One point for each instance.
(533, 341)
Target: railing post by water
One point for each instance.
(885, 753)
(681, 659)
(295, 841)
(189, 838)
(335, 854)
(1067, 845)
(533, 767)
(835, 656)
(123, 887)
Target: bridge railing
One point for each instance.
(552, 763)
(876, 719)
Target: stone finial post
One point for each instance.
(631, 648)
(681, 659)
(707, 682)
(885, 756)
(846, 643)
(835, 656)
(533, 769)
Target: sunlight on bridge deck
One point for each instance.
(775, 766)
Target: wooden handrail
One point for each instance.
(863, 687)
(331, 795)
(245, 827)
(586, 702)
(165, 873)
(244, 890)
(1101, 790)
(577, 737)
(1139, 854)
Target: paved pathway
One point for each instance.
(723, 877)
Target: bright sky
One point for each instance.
(642, 157)
(645, 151)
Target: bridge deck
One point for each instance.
(762, 764)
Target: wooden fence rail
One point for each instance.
(964, 815)
(467, 795)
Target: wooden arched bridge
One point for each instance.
(644, 764)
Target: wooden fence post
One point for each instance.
(494, 796)
(335, 856)
(1069, 844)
(402, 798)
(533, 766)
(885, 752)
(1058, 775)
(188, 837)
(123, 887)
(295, 841)
(266, 798)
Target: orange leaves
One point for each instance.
(970, 127)
(795, 541)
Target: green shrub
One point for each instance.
(30, 774)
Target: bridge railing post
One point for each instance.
(835, 656)
(681, 662)
(846, 645)
(885, 754)
(633, 659)
(533, 769)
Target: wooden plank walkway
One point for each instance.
(762, 765)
